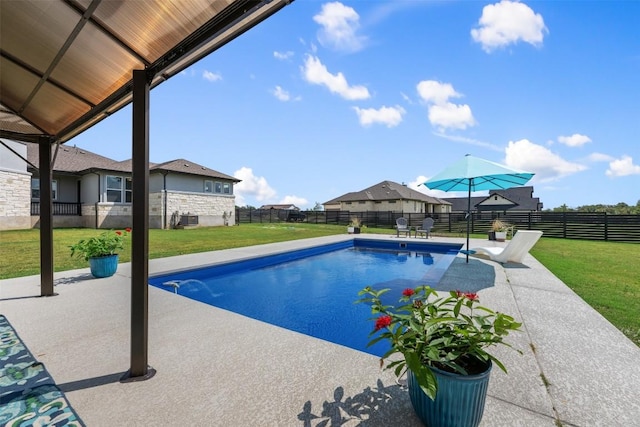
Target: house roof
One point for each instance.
(192, 168)
(522, 197)
(282, 206)
(387, 190)
(73, 159)
(66, 65)
(80, 161)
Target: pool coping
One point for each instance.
(218, 368)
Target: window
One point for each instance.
(208, 186)
(218, 187)
(128, 190)
(114, 189)
(392, 201)
(361, 203)
(119, 189)
(35, 189)
(226, 188)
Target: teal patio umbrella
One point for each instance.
(476, 174)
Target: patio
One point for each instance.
(222, 369)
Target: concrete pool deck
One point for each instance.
(217, 368)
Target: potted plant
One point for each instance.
(101, 251)
(442, 340)
(499, 229)
(354, 225)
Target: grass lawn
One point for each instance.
(606, 275)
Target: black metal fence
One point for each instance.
(568, 225)
(59, 208)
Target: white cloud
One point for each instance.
(442, 113)
(434, 92)
(575, 140)
(316, 73)
(281, 94)
(282, 55)
(451, 116)
(389, 116)
(546, 165)
(340, 25)
(211, 76)
(251, 185)
(406, 98)
(508, 22)
(294, 200)
(599, 157)
(470, 141)
(623, 167)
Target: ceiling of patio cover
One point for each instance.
(67, 64)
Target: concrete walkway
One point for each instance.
(217, 368)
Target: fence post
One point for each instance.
(449, 219)
(529, 220)
(606, 227)
(564, 225)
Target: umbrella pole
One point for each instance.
(468, 217)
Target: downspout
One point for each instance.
(165, 203)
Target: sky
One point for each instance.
(326, 98)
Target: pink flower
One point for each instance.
(383, 322)
(408, 292)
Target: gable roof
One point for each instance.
(522, 197)
(79, 161)
(387, 190)
(191, 168)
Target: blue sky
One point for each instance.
(325, 98)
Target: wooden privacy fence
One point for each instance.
(568, 225)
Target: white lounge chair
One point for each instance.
(402, 227)
(427, 225)
(515, 250)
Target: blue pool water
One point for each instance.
(312, 291)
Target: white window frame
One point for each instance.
(125, 190)
(226, 188)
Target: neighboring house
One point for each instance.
(90, 190)
(388, 196)
(518, 199)
(286, 207)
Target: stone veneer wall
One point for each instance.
(210, 208)
(110, 215)
(15, 200)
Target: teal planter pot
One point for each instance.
(459, 402)
(104, 266)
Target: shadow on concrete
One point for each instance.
(91, 382)
(73, 279)
(373, 407)
(467, 277)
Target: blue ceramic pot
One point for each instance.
(104, 266)
(459, 402)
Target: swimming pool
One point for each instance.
(312, 291)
